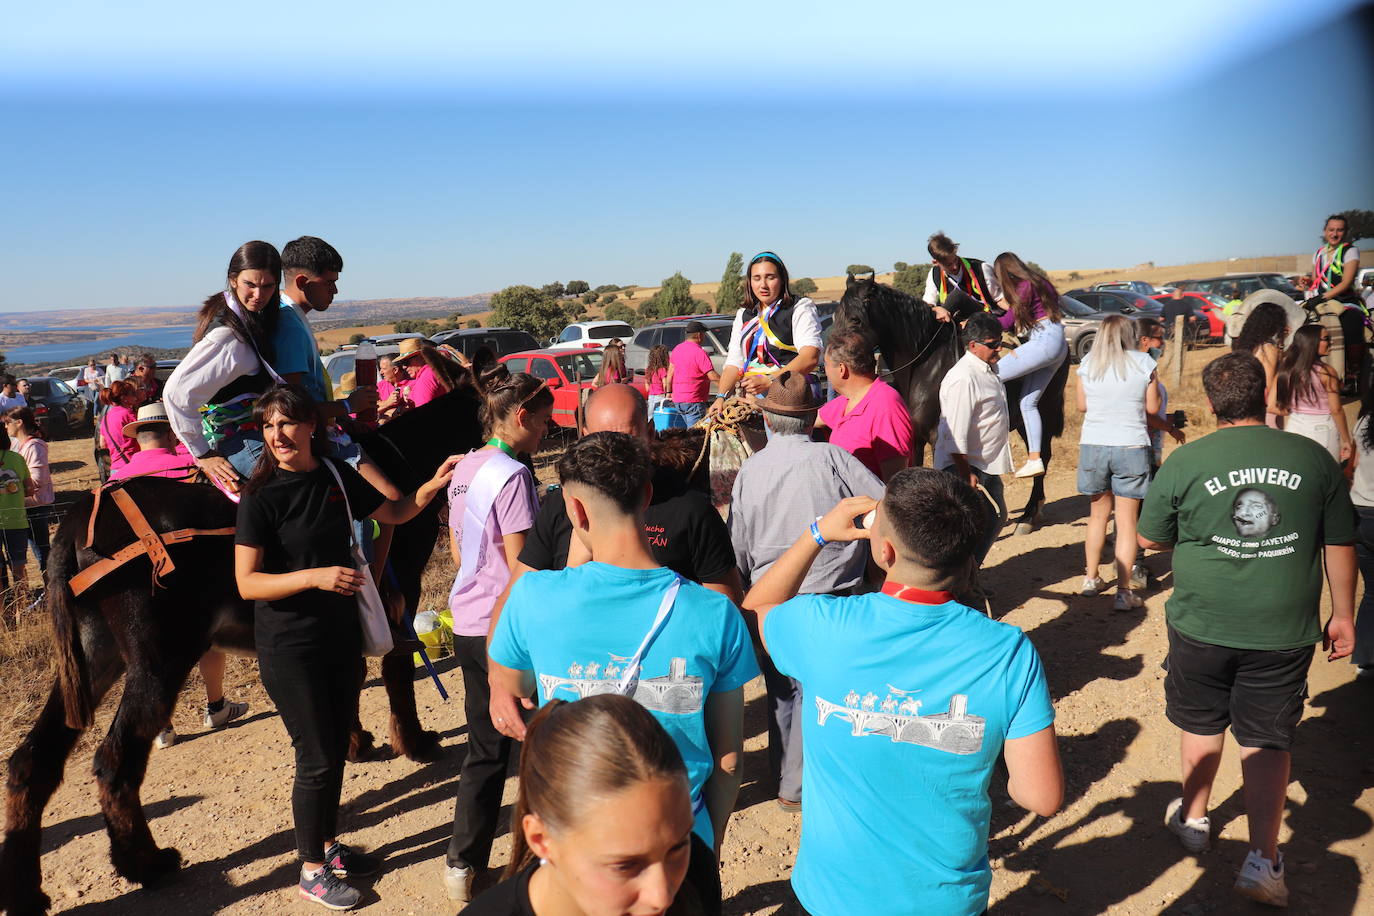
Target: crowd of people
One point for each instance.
(607, 627)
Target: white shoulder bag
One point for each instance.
(372, 620)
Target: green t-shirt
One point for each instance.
(1249, 510)
(13, 472)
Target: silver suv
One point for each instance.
(672, 331)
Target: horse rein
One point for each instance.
(922, 352)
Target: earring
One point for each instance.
(543, 862)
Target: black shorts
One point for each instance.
(1258, 692)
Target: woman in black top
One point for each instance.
(603, 818)
(293, 557)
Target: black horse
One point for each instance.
(153, 636)
(918, 349)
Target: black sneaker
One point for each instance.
(346, 862)
(328, 890)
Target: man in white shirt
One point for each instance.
(9, 394)
(973, 438)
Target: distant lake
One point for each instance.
(166, 337)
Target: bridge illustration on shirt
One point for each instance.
(955, 731)
(677, 693)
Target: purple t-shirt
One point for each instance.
(1027, 292)
(878, 428)
(691, 384)
(513, 511)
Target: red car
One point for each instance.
(1210, 306)
(568, 373)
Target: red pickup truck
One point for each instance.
(568, 373)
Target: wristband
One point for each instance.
(816, 534)
(348, 405)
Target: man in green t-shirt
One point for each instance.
(1250, 512)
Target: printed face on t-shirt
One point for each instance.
(1254, 513)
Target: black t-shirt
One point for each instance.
(509, 898)
(299, 521)
(685, 532)
(1175, 307)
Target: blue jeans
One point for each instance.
(1364, 619)
(1035, 361)
(242, 450)
(692, 413)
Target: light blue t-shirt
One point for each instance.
(906, 707)
(577, 628)
(294, 350)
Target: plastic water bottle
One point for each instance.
(365, 375)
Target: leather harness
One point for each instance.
(149, 541)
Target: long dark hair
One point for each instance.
(26, 419)
(1265, 324)
(1011, 272)
(292, 402)
(658, 360)
(1293, 381)
(256, 326)
(613, 360)
(576, 753)
(751, 302)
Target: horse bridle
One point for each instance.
(922, 352)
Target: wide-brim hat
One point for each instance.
(789, 395)
(148, 415)
(410, 347)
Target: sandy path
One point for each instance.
(224, 799)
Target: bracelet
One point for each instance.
(816, 534)
(348, 405)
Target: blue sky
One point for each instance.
(448, 150)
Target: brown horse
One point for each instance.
(918, 350)
(153, 636)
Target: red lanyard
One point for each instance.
(916, 595)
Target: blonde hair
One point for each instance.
(1115, 338)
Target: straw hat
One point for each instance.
(148, 415)
(789, 395)
(410, 347)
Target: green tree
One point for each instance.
(608, 298)
(1359, 224)
(576, 310)
(912, 279)
(577, 287)
(857, 269)
(1035, 267)
(528, 309)
(1075, 275)
(588, 297)
(607, 288)
(415, 326)
(673, 298)
(357, 338)
(731, 292)
(630, 292)
(900, 266)
(619, 311)
(803, 287)
(554, 290)
(474, 323)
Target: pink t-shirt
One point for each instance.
(878, 428)
(35, 452)
(691, 384)
(512, 512)
(656, 381)
(423, 388)
(121, 447)
(155, 462)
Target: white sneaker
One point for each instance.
(1262, 881)
(458, 883)
(1140, 577)
(1032, 468)
(227, 713)
(1195, 833)
(166, 738)
(1092, 585)
(1127, 600)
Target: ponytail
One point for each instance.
(504, 396)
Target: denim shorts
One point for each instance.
(1122, 469)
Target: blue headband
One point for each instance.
(766, 256)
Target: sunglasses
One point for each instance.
(990, 344)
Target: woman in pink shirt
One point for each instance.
(868, 418)
(27, 437)
(430, 373)
(122, 398)
(656, 373)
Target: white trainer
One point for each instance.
(1262, 880)
(458, 883)
(227, 713)
(1127, 600)
(1032, 468)
(1195, 833)
(1092, 585)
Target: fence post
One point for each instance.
(1180, 348)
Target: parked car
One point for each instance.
(1243, 285)
(672, 331)
(500, 341)
(1210, 306)
(584, 334)
(338, 363)
(568, 374)
(394, 340)
(59, 410)
(1134, 286)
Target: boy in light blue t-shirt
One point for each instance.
(910, 699)
(581, 631)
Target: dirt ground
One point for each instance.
(223, 799)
